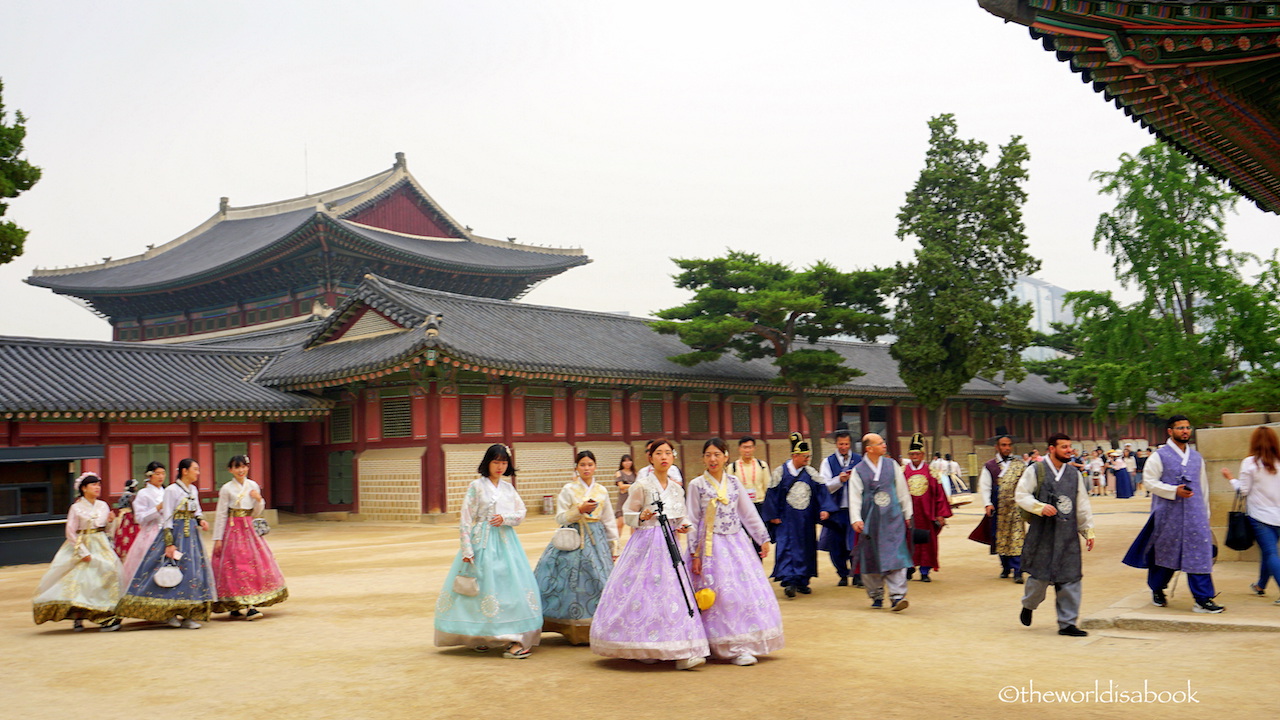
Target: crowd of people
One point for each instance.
(655, 598)
(146, 560)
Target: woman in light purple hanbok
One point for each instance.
(744, 621)
(643, 612)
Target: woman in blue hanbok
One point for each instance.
(571, 580)
(504, 609)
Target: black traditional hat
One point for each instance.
(917, 443)
(1001, 432)
(799, 446)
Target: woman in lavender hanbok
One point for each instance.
(643, 612)
(744, 621)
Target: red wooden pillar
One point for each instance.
(433, 477)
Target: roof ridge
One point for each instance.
(506, 303)
(128, 346)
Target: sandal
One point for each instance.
(521, 655)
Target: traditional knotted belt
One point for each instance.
(184, 515)
(91, 530)
(709, 520)
(239, 512)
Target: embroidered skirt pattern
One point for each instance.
(74, 588)
(126, 532)
(745, 619)
(192, 598)
(642, 614)
(244, 569)
(570, 583)
(507, 609)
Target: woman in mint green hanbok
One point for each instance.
(505, 610)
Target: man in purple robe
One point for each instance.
(1177, 536)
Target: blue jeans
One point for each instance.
(1267, 536)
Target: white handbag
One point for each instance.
(466, 584)
(567, 539)
(168, 575)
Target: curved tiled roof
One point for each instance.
(236, 237)
(517, 336)
(42, 375)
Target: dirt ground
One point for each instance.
(354, 640)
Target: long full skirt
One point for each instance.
(507, 609)
(571, 582)
(192, 598)
(1124, 484)
(126, 532)
(73, 588)
(643, 613)
(744, 619)
(138, 550)
(244, 570)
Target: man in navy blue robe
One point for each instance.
(836, 539)
(795, 504)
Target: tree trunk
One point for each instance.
(939, 416)
(817, 424)
(1113, 431)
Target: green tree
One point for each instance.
(1199, 326)
(955, 317)
(761, 309)
(16, 176)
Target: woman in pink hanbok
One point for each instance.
(744, 620)
(244, 570)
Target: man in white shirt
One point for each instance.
(754, 474)
(836, 539)
(1054, 492)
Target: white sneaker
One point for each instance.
(190, 624)
(745, 660)
(174, 622)
(689, 663)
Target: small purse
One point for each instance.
(466, 584)
(567, 539)
(1239, 529)
(261, 526)
(167, 575)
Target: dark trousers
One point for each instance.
(1201, 584)
(1011, 562)
(838, 541)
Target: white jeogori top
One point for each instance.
(235, 496)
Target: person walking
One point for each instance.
(1259, 482)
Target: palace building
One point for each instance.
(363, 349)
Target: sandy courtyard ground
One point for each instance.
(354, 640)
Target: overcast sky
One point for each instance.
(637, 131)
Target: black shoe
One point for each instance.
(1017, 579)
(1208, 606)
(1072, 631)
(911, 572)
(1025, 617)
(236, 614)
(1158, 599)
(803, 590)
(857, 581)
(790, 590)
(1004, 574)
(844, 582)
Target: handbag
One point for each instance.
(466, 584)
(261, 526)
(1239, 529)
(167, 575)
(567, 539)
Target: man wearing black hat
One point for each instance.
(795, 504)
(930, 508)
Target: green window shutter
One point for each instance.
(741, 418)
(651, 417)
(471, 410)
(144, 454)
(537, 416)
(699, 417)
(599, 417)
(342, 477)
(781, 418)
(397, 417)
(222, 454)
(340, 425)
